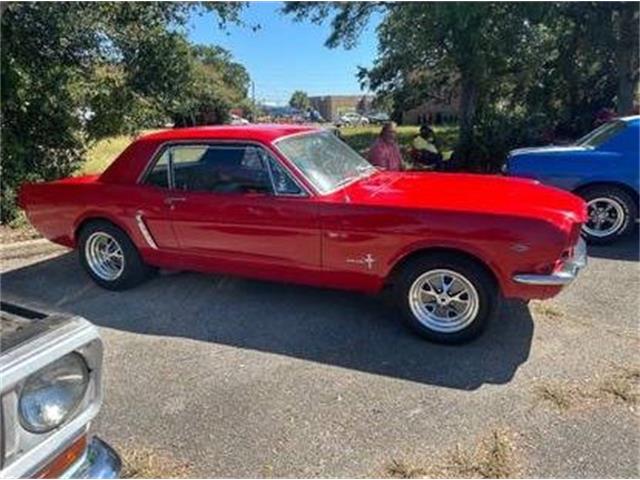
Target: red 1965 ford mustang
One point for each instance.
(296, 204)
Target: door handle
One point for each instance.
(171, 201)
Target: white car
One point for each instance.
(353, 119)
(236, 120)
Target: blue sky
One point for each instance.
(283, 56)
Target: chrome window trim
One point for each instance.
(311, 132)
(213, 142)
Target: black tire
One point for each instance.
(484, 284)
(621, 198)
(134, 272)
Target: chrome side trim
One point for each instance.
(565, 275)
(145, 231)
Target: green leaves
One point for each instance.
(299, 100)
(502, 63)
(76, 72)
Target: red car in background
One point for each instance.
(295, 204)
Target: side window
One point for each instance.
(159, 175)
(282, 182)
(221, 169)
(218, 169)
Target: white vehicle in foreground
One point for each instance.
(51, 389)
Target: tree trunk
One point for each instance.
(625, 24)
(468, 105)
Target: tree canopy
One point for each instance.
(529, 67)
(299, 100)
(76, 72)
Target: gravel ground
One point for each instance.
(233, 377)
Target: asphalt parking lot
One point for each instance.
(234, 377)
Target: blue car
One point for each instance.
(601, 167)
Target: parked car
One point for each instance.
(353, 119)
(51, 369)
(296, 204)
(379, 118)
(602, 168)
(237, 120)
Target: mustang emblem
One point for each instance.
(367, 260)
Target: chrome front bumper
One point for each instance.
(99, 461)
(565, 275)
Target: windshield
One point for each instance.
(601, 134)
(325, 160)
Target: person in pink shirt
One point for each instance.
(385, 152)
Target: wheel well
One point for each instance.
(625, 188)
(87, 221)
(407, 259)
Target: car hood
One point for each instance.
(546, 150)
(487, 194)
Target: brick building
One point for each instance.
(432, 112)
(332, 106)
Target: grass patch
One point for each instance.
(400, 469)
(556, 395)
(142, 462)
(623, 385)
(361, 138)
(547, 310)
(18, 230)
(493, 458)
(103, 152)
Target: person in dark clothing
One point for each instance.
(426, 149)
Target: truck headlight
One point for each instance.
(49, 396)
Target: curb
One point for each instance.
(25, 243)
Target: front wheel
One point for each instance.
(612, 213)
(446, 298)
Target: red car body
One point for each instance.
(352, 238)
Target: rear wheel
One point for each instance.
(446, 298)
(612, 213)
(110, 257)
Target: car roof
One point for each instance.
(631, 119)
(256, 132)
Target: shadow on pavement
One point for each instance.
(626, 248)
(332, 327)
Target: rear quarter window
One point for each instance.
(602, 134)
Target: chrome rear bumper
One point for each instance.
(565, 275)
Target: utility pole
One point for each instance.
(253, 99)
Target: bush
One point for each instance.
(497, 133)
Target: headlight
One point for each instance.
(49, 396)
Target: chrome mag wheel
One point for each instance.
(606, 217)
(104, 256)
(444, 301)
